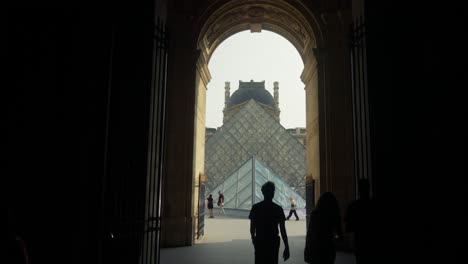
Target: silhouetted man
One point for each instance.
(265, 217)
(360, 220)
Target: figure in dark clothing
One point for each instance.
(221, 203)
(293, 209)
(360, 221)
(16, 250)
(324, 228)
(210, 205)
(265, 217)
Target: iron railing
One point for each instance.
(362, 150)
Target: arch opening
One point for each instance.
(257, 57)
(280, 18)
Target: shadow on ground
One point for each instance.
(227, 241)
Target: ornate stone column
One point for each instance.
(185, 113)
(335, 97)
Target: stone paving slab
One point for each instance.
(227, 240)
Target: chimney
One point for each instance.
(276, 97)
(227, 93)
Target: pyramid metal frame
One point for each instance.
(253, 131)
(240, 192)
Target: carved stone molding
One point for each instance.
(238, 15)
(202, 68)
(256, 11)
(202, 178)
(309, 72)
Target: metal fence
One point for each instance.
(362, 155)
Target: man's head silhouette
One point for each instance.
(268, 190)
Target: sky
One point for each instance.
(264, 56)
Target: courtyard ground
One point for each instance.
(227, 241)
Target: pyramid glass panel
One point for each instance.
(253, 132)
(244, 197)
(238, 192)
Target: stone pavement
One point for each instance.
(227, 240)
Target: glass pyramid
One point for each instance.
(243, 187)
(253, 132)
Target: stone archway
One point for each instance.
(285, 20)
(323, 48)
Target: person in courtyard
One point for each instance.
(360, 221)
(265, 217)
(293, 209)
(210, 205)
(324, 228)
(221, 203)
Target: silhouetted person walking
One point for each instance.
(360, 220)
(324, 228)
(210, 205)
(265, 217)
(293, 209)
(221, 203)
(16, 250)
